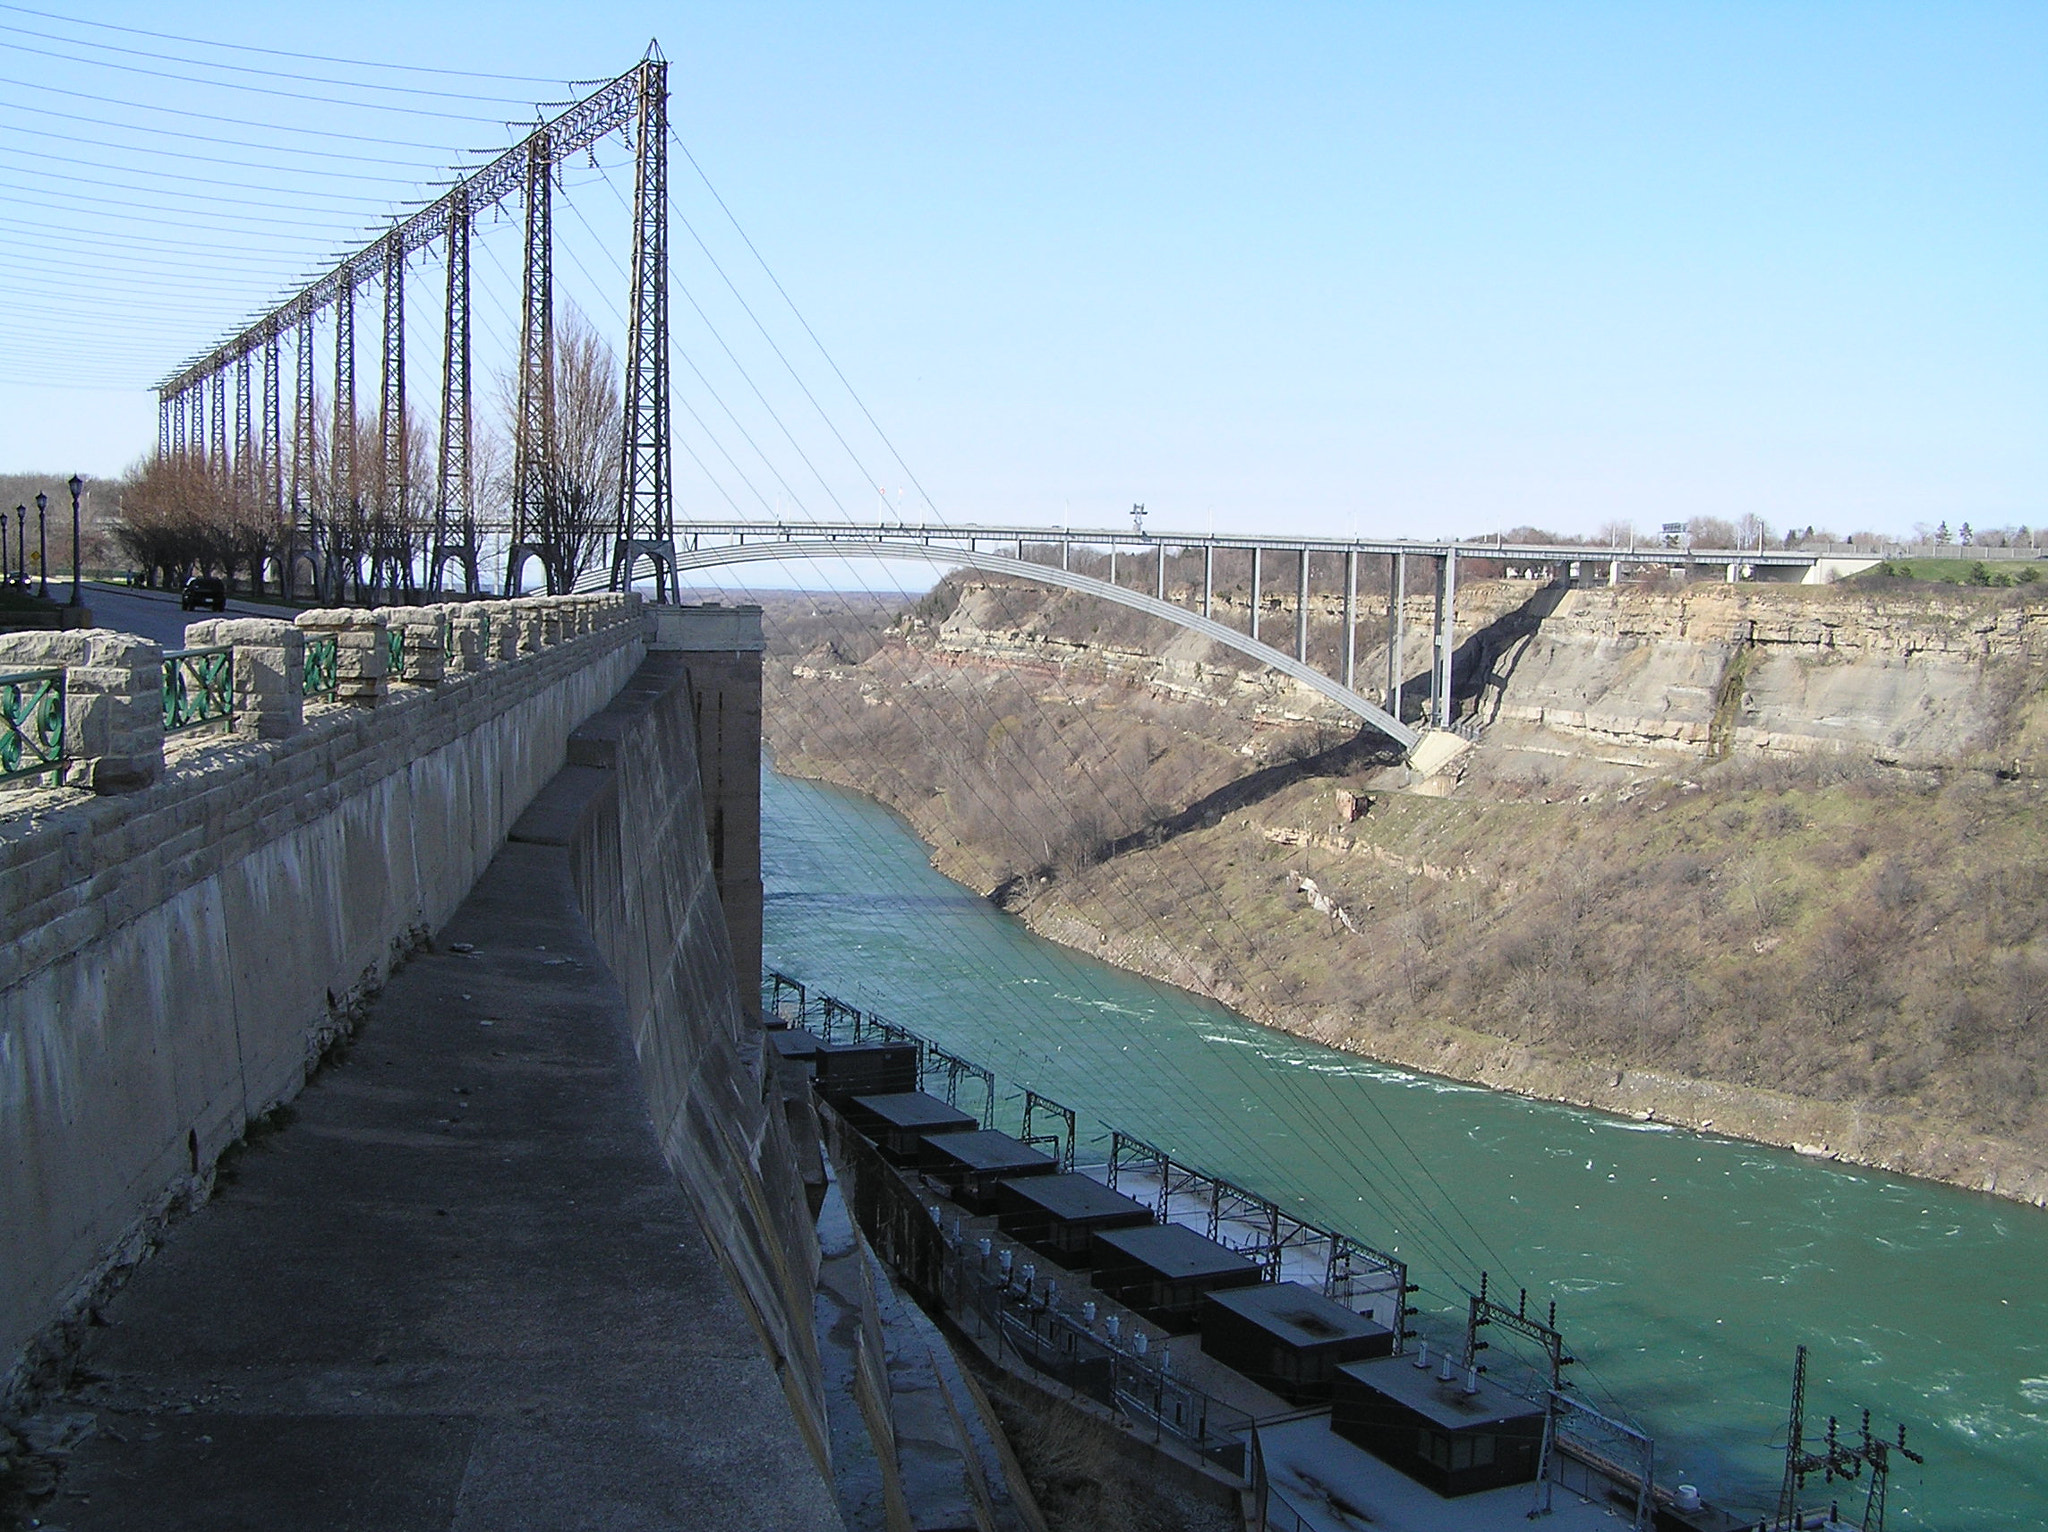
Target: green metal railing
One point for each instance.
(31, 722)
(323, 667)
(199, 687)
(394, 652)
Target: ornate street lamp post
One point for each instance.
(76, 484)
(42, 546)
(21, 543)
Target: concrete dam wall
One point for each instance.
(628, 815)
(179, 956)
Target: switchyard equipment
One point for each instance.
(1432, 1417)
(900, 1122)
(970, 1165)
(1289, 1338)
(1163, 1271)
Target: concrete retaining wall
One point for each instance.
(178, 957)
(629, 813)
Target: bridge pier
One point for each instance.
(1301, 606)
(1350, 613)
(1443, 709)
(1255, 595)
(1396, 636)
(1208, 576)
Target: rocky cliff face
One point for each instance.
(1634, 677)
(1765, 857)
(1910, 679)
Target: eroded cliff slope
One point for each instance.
(1764, 858)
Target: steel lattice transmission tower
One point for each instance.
(344, 505)
(392, 482)
(455, 492)
(533, 431)
(646, 510)
(305, 434)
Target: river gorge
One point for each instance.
(1686, 1266)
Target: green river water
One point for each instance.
(1685, 1267)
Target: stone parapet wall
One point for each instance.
(181, 951)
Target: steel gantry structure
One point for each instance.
(192, 403)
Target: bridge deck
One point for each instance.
(460, 1290)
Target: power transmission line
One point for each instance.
(318, 58)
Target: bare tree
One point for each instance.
(579, 476)
(1711, 532)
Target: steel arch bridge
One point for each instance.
(989, 562)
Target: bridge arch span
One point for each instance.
(814, 549)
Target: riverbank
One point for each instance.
(1846, 1131)
(1822, 923)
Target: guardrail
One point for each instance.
(394, 652)
(323, 667)
(31, 722)
(1033, 1320)
(199, 687)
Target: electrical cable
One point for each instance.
(154, 207)
(1145, 915)
(187, 155)
(1421, 1224)
(1423, 1217)
(1245, 936)
(72, 115)
(274, 74)
(830, 424)
(260, 90)
(238, 122)
(804, 322)
(42, 158)
(318, 58)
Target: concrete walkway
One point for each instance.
(458, 1290)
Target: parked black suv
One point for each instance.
(204, 590)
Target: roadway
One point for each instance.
(155, 614)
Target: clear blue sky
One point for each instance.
(1432, 268)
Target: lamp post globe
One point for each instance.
(75, 485)
(42, 545)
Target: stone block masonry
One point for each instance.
(269, 672)
(113, 703)
(180, 953)
(362, 663)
